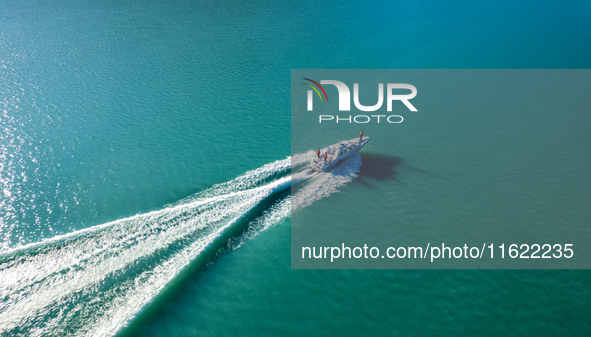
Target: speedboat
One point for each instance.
(338, 153)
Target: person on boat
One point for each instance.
(360, 136)
(318, 153)
(325, 156)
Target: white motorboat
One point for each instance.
(338, 153)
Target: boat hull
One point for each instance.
(320, 165)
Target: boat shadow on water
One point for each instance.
(378, 167)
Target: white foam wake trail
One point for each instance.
(318, 186)
(274, 215)
(94, 281)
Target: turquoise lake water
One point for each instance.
(147, 144)
(491, 156)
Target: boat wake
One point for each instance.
(94, 281)
(315, 186)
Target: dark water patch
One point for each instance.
(378, 167)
